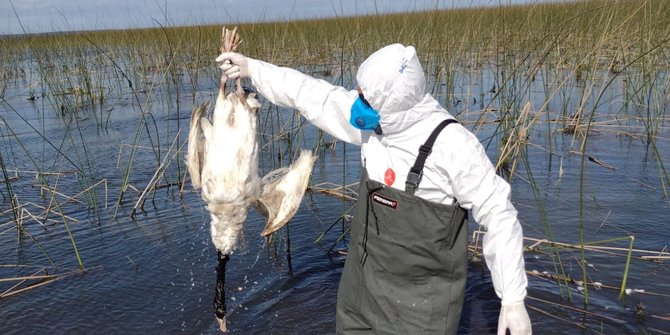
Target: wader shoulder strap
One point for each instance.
(416, 171)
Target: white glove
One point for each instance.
(234, 65)
(515, 317)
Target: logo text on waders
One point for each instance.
(384, 201)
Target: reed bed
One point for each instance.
(568, 70)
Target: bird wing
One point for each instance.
(196, 145)
(282, 197)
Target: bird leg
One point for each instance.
(220, 294)
(230, 40)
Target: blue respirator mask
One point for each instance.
(363, 116)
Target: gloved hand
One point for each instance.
(234, 65)
(515, 317)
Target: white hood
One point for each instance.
(393, 82)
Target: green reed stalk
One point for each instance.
(625, 272)
(624, 277)
(10, 193)
(548, 231)
(173, 74)
(87, 181)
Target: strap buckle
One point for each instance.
(413, 179)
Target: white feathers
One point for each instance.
(230, 169)
(222, 160)
(282, 191)
(196, 145)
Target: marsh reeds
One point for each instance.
(545, 77)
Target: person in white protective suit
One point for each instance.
(421, 172)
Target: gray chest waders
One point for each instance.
(407, 261)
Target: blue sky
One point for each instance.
(38, 16)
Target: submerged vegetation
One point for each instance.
(547, 76)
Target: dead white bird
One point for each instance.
(222, 161)
(282, 191)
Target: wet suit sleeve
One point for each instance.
(325, 105)
(478, 188)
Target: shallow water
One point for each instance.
(155, 273)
